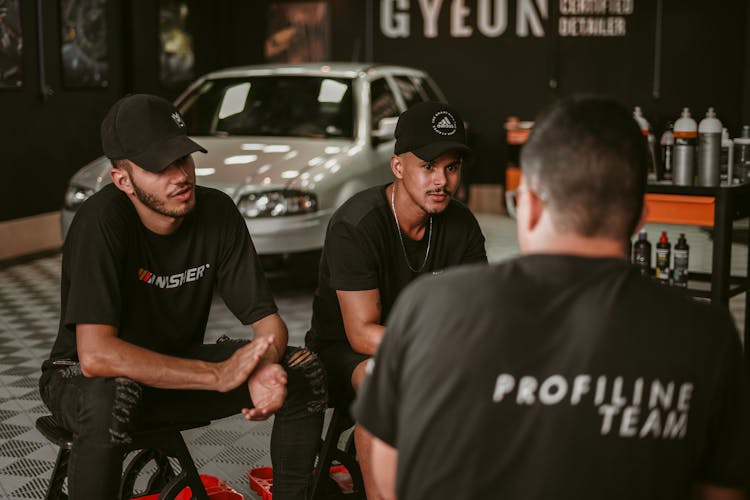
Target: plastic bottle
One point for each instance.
(663, 254)
(727, 157)
(741, 170)
(681, 258)
(667, 145)
(709, 150)
(642, 253)
(683, 159)
(650, 140)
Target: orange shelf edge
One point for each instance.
(680, 209)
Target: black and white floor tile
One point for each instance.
(29, 309)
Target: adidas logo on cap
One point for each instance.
(444, 123)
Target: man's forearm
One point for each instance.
(272, 326)
(114, 357)
(103, 354)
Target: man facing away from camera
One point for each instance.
(141, 262)
(567, 374)
(383, 238)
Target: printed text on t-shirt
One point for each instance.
(641, 408)
(174, 280)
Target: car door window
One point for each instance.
(383, 101)
(427, 88)
(408, 90)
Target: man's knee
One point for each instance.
(306, 384)
(358, 375)
(101, 410)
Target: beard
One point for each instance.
(159, 205)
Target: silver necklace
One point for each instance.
(401, 238)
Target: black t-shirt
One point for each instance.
(363, 251)
(157, 289)
(557, 377)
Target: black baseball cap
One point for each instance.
(429, 129)
(147, 130)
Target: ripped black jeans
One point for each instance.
(103, 412)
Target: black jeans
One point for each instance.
(103, 412)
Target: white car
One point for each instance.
(289, 143)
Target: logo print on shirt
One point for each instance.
(444, 123)
(178, 119)
(175, 280)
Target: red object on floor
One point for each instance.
(215, 488)
(261, 480)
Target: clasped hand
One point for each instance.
(265, 381)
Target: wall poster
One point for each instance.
(11, 45)
(84, 43)
(176, 56)
(298, 31)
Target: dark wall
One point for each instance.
(705, 61)
(45, 140)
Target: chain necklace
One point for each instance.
(401, 238)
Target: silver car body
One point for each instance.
(331, 168)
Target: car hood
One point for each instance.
(233, 163)
(248, 163)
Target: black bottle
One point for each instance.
(663, 254)
(681, 257)
(642, 253)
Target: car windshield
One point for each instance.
(289, 106)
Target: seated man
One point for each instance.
(140, 265)
(383, 238)
(567, 375)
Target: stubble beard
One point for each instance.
(157, 205)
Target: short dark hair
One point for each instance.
(120, 164)
(587, 157)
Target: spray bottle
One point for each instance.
(709, 150)
(741, 169)
(663, 254)
(650, 141)
(683, 159)
(642, 253)
(727, 157)
(681, 258)
(667, 145)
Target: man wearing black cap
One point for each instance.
(141, 262)
(383, 238)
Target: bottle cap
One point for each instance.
(710, 124)
(685, 123)
(642, 122)
(663, 238)
(642, 234)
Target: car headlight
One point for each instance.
(277, 203)
(75, 195)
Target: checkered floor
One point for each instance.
(29, 308)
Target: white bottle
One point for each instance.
(709, 150)
(741, 169)
(727, 157)
(683, 154)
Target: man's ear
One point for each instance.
(397, 167)
(534, 207)
(121, 179)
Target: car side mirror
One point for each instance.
(385, 131)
